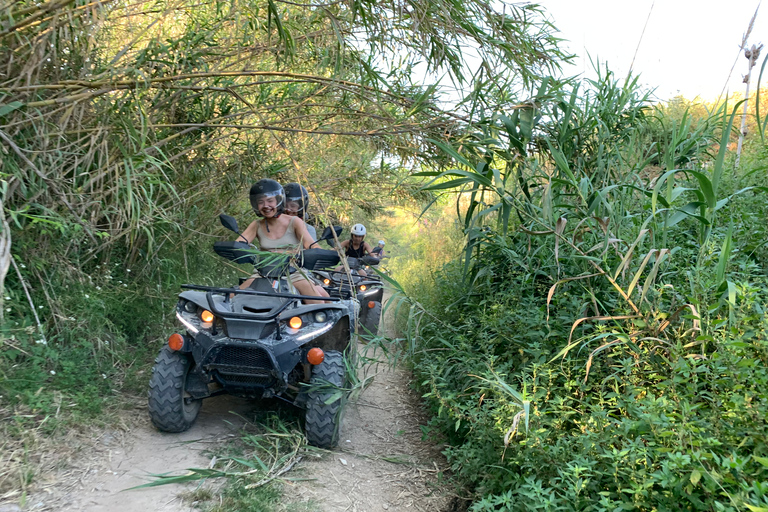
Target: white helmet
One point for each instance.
(381, 243)
(358, 229)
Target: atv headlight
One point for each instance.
(363, 287)
(320, 317)
(190, 307)
(206, 316)
(326, 281)
(186, 323)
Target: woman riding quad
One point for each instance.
(296, 204)
(356, 246)
(280, 233)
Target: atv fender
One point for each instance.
(197, 379)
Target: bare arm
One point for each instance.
(250, 232)
(300, 228)
(367, 249)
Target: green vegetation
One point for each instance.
(584, 292)
(601, 342)
(126, 128)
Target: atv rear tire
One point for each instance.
(170, 407)
(323, 420)
(370, 322)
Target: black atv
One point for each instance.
(368, 290)
(260, 342)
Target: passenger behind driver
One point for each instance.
(280, 233)
(356, 246)
(296, 204)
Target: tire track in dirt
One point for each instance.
(381, 462)
(120, 459)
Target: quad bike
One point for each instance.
(368, 290)
(260, 342)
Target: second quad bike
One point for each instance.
(259, 342)
(368, 290)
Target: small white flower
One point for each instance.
(7, 310)
(87, 296)
(53, 372)
(127, 270)
(125, 285)
(7, 298)
(106, 343)
(72, 318)
(103, 375)
(40, 306)
(41, 342)
(98, 287)
(109, 276)
(23, 266)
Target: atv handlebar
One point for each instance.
(277, 266)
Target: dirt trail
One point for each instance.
(380, 464)
(119, 459)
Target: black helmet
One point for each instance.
(267, 188)
(296, 192)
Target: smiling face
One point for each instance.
(267, 206)
(292, 208)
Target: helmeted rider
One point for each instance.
(356, 246)
(279, 233)
(378, 251)
(297, 203)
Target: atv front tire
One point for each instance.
(370, 322)
(323, 420)
(170, 407)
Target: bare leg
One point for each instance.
(307, 288)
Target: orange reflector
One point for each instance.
(206, 316)
(326, 281)
(176, 341)
(371, 304)
(295, 322)
(315, 356)
(363, 287)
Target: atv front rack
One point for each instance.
(249, 316)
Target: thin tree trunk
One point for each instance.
(5, 257)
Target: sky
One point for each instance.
(688, 48)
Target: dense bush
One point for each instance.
(607, 349)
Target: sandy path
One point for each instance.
(120, 459)
(380, 464)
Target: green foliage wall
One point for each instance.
(602, 343)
